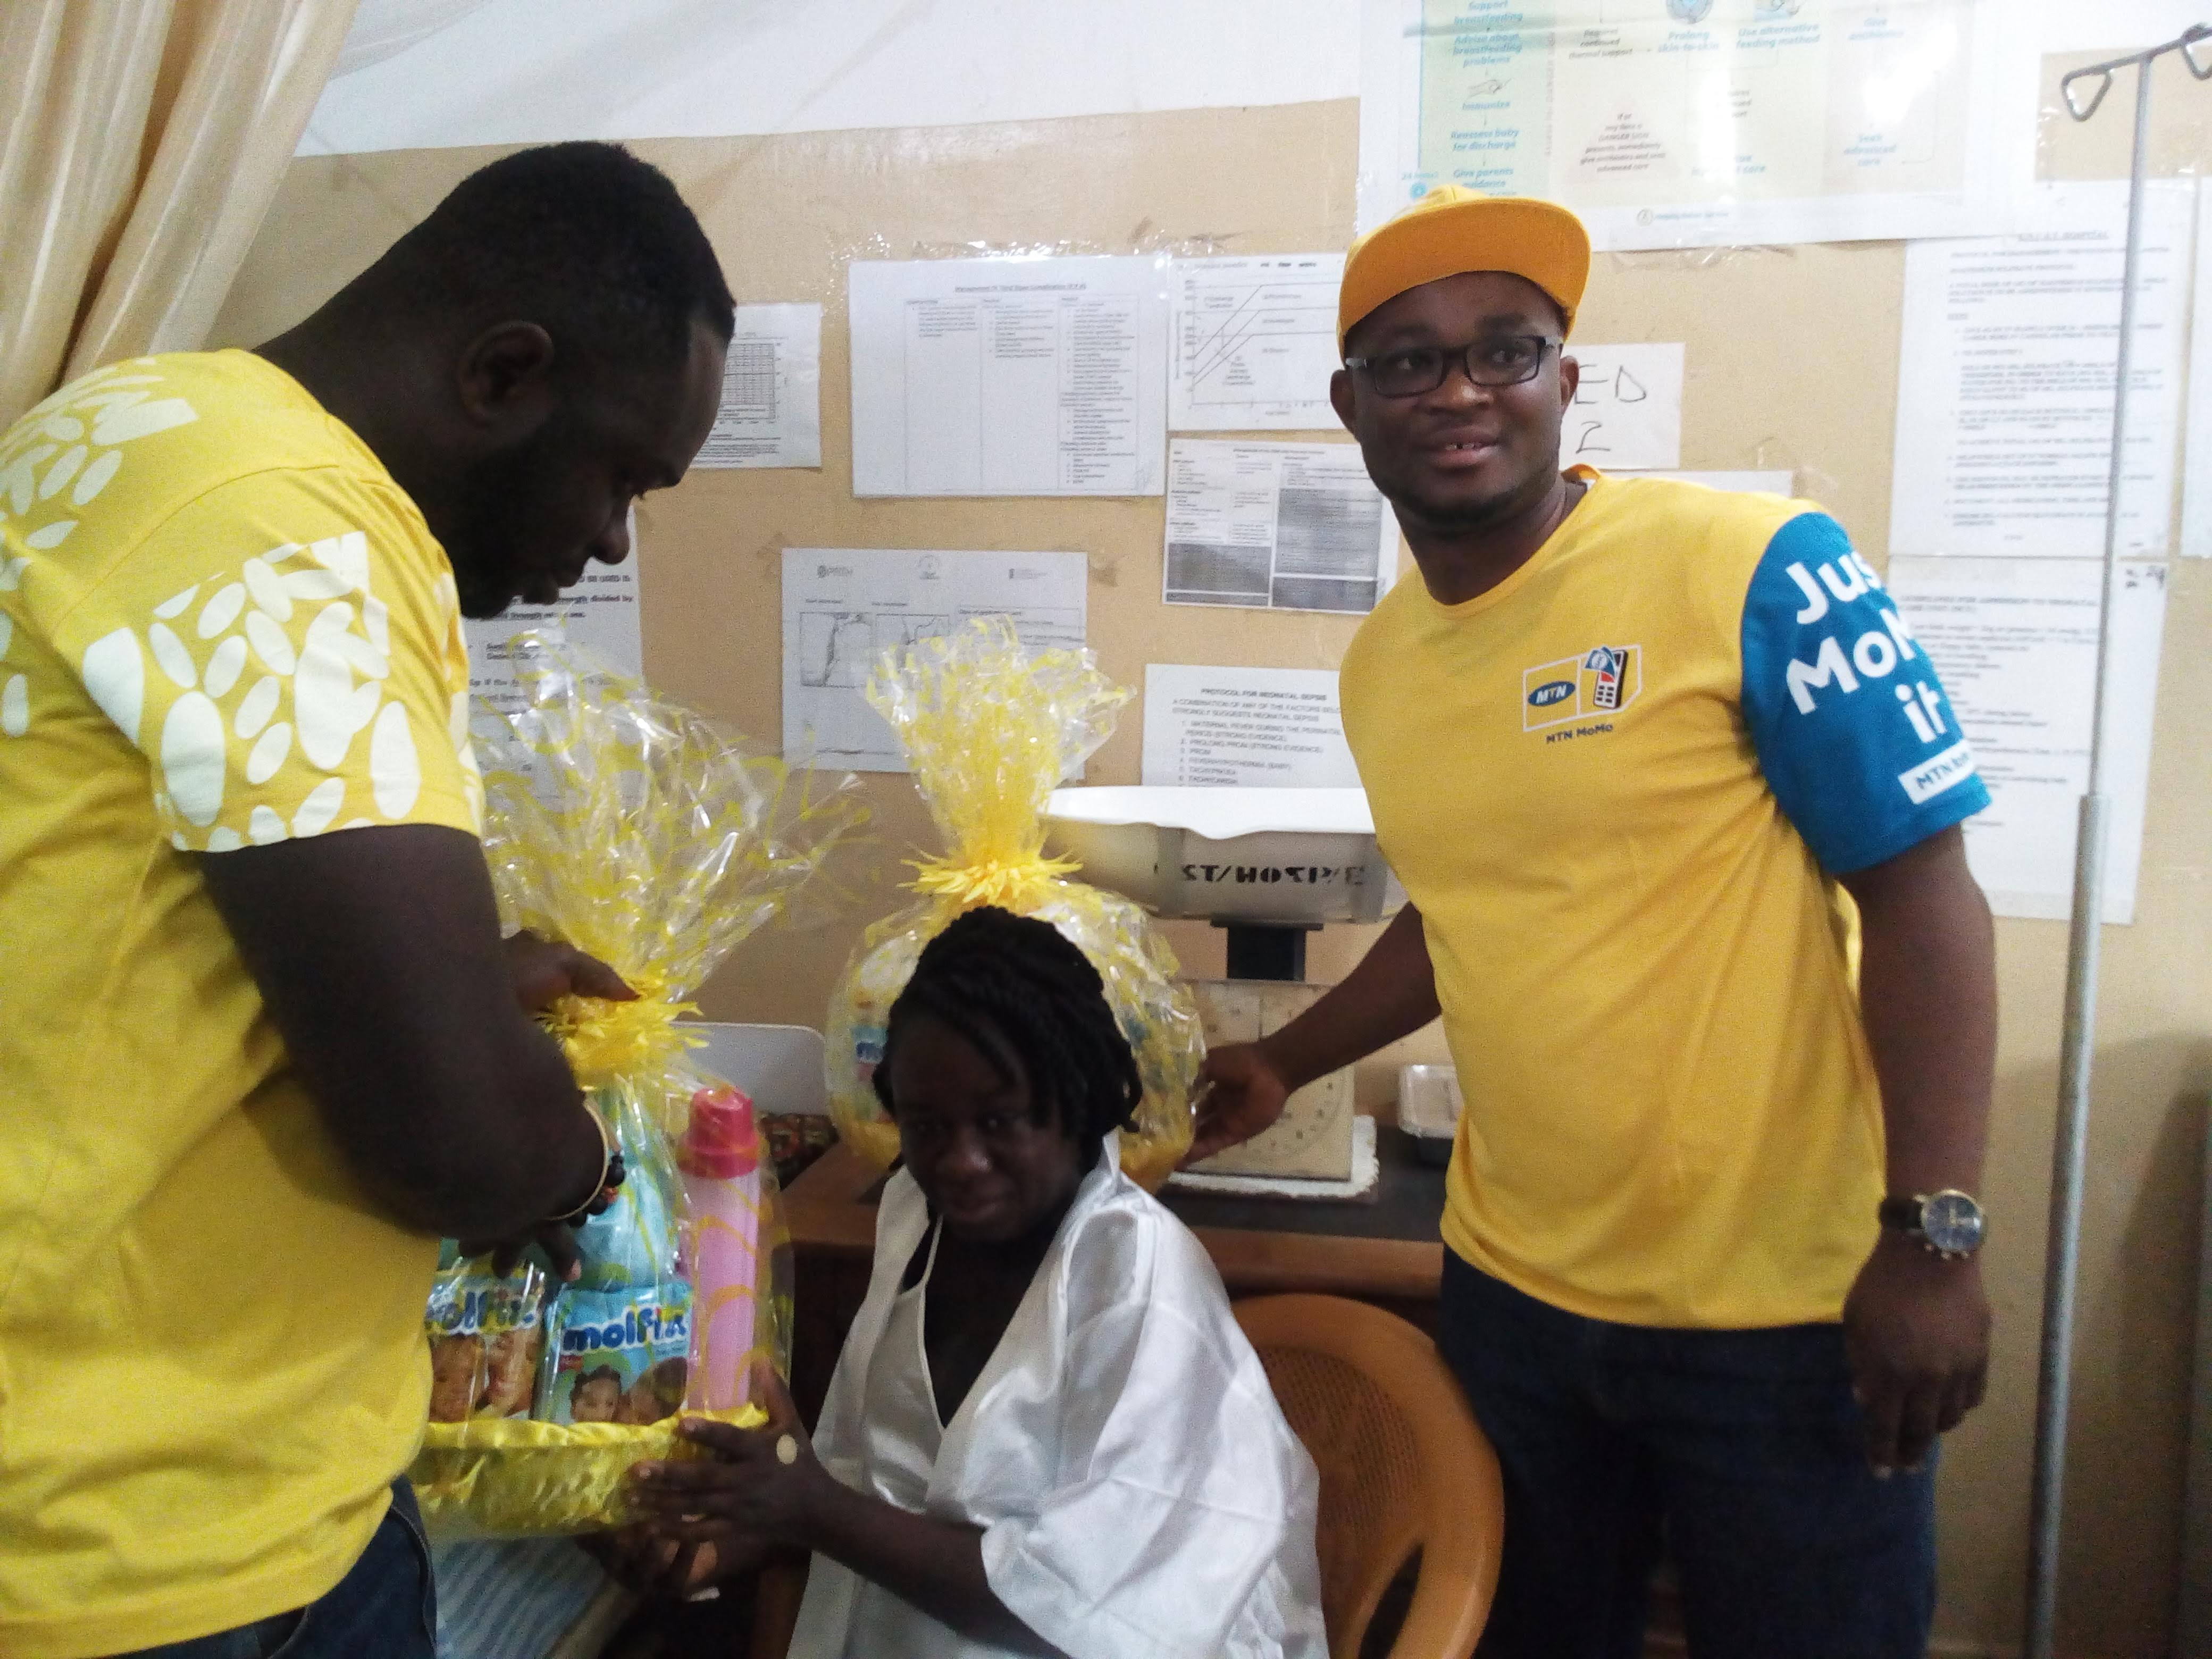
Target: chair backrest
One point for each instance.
(1403, 1467)
(779, 1066)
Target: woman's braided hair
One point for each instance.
(1025, 998)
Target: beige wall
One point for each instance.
(1791, 362)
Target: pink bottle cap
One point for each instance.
(721, 1141)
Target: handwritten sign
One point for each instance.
(1627, 411)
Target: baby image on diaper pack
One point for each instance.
(486, 1334)
(616, 1340)
(617, 1356)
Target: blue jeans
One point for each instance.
(1742, 1450)
(385, 1608)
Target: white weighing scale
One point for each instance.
(1268, 866)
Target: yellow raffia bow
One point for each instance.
(605, 1040)
(1014, 884)
(989, 729)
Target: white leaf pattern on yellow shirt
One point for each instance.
(69, 450)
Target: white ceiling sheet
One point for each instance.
(425, 74)
(528, 71)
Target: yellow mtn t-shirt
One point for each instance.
(222, 623)
(1619, 786)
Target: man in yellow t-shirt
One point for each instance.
(261, 1043)
(1643, 754)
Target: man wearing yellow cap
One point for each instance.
(1651, 760)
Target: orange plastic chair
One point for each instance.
(1403, 1467)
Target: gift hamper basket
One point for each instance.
(642, 833)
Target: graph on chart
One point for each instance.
(1255, 343)
(837, 648)
(748, 380)
(845, 609)
(771, 411)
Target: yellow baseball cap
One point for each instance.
(1452, 229)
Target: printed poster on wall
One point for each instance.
(1705, 122)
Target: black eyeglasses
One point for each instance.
(1500, 360)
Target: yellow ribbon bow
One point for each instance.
(605, 1039)
(1015, 884)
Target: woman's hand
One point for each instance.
(762, 1485)
(644, 1562)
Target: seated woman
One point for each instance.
(1046, 1434)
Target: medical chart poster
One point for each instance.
(1255, 343)
(770, 413)
(847, 608)
(2197, 454)
(1017, 376)
(599, 613)
(1684, 123)
(2015, 642)
(1275, 526)
(1245, 728)
(2005, 373)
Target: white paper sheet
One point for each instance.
(600, 613)
(1255, 343)
(1275, 526)
(1627, 411)
(843, 607)
(2015, 641)
(1266, 728)
(771, 411)
(1703, 122)
(2004, 396)
(2197, 454)
(1008, 376)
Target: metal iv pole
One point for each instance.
(2078, 1049)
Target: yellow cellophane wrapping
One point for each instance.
(990, 730)
(643, 833)
(639, 831)
(509, 1477)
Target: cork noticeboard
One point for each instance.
(788, 212)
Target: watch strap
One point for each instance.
(1902, 1215)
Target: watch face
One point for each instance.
(1953, 1222)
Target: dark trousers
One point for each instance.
(386, 1607)
(1740, 1450)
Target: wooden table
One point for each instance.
(1385, 1253)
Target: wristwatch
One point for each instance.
(1949, 1222)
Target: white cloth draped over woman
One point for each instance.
(1139, 1491)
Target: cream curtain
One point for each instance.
(140, 141)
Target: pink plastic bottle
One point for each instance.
(721, 1158)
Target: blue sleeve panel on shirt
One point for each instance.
(1851, 726)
